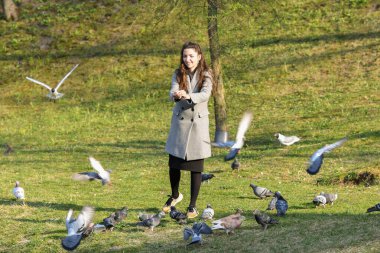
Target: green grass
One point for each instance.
(308, 68)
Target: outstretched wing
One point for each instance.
(243, 127)
(98, 167)
(38, 82)
(66, 76)
(84, 218)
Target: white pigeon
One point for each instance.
(103, 174)
(76, 227)
(53, 94)
(18, 192)
(243, 127)
(286, 140)
(208, 213)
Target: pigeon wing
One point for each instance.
(66, 76)
(38, 82)
(98, 167)
(187, 233)
(243, 127)
(84, 218)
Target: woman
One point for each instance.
(188, 143)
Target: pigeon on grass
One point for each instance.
(281, 204)
(208, 213)
(229, 223)
(181, 218)
(319, 200)
(53, 92)
(261, 192)
(235, 165)
(207, 177)
(286, 140)
(374, 208)
(152, 222)
(19, 192)
(100, 174)
(8, 149)
(316, 159)
(196, 232)
(243, 127)
(330, 197)
(263, 219)
(76, 227)
(114, 218)
(272, 204)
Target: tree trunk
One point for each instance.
(10, 10)
(218, 90)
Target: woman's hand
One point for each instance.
(181, 94)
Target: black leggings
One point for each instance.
(196, 179)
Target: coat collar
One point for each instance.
(193, 82)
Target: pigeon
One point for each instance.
(263, 219)
(286, 140)
(19, 192)
(101, 174)
(143, 216)
(54, 94)
(207, 177)
(181, 218)
(229, 223)
(114, 218)
(272, 203)
(196, 232)
(281, 204)
(261, 192)
(316, 159)
(374, 208)
(319, 200)
(235, 165)
(330, 197)
(152, 222)
(243, 127)
(76, 227)
(8, 149)
(208, 213)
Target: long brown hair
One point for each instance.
(183, 69)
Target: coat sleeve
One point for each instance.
(174, 87)
(204, 94)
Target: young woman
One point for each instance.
(188, 143)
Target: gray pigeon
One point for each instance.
(330, 197)
(76, 227)
(286, 140)
(181, 218)
(196, 232)
(375, 208)
(243, 127)
(207, 177)
(208, 213)
(281, 204)
(272, 203)
(53, 92)
(151, 222)
(19, 192)
(235, 165)
(143, 216)
(319, 200)
(100, 174)
(261, 192)
(263, 219)
(229, 223)
(8, 149)
(316, 159)
(114, 218)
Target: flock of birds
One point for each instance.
(82, 226)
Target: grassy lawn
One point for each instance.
(306, 68)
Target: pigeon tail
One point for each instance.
(71, 242)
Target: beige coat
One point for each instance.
(189, 135)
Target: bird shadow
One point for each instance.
(307, 205)
(39, 221)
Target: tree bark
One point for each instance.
(218, 90)
(10, 10)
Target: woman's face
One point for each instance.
(191, 58)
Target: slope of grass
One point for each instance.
(308, 68)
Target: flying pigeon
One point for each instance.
(330, 197)
(263, 219)
(19, 193)
(54, 94)
(196, 232)
(114, 218)
(243, 127)
(152, 222)
(374, 208)
(286, 140)
(207, 177)
(229, 223)
(281, 204)
(319, 200)
(235, 165)
(181, 218)
(272, 203)
(208, 213)
(101, 174)
(8, 149)
(76, 227)
(261, 192)
(316, 159)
